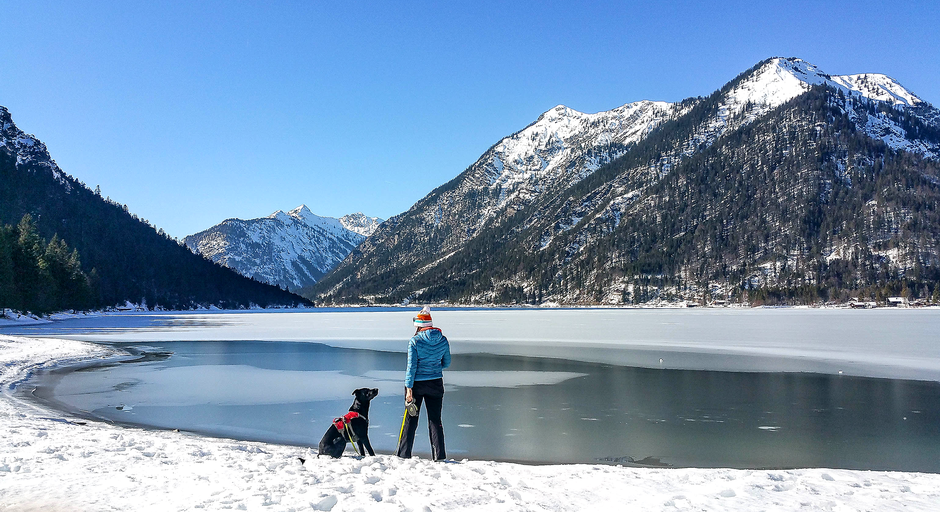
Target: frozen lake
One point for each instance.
(735, 388)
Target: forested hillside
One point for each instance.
(41, 276)
(133, 261)
(797, 207)
(824, 197)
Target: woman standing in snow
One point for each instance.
(428, 355)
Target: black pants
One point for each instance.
(432, 393)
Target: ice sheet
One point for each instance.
(902, 343)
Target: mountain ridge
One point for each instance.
(131, 260)
(291, 250)
(393, 265)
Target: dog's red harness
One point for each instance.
(340, 423)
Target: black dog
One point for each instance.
(354, 427)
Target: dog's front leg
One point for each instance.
(368, 446)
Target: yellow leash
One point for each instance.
(402, 431)
(352, 438)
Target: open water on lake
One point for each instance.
(510, 407)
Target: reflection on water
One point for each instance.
(523, 408)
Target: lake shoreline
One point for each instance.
(49, 462)
(676, 363)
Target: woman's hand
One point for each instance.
(409, 397)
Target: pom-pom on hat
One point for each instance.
(424, 318)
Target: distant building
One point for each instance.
(897, 302)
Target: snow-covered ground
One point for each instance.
(10, 318)
(49, 461)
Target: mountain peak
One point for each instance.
(562, 110)
(357, 222)
(27, 148)
(778, 80)
(784, 78)
(360, 223)
(557, 114)
(279, 215)
(300, 210)
(774, 83)
(796, 65)
(292, 249)
(5, 117)
(303, 214)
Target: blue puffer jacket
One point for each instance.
(428, 354)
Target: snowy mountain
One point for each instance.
(560, 148)
(780, 80)
(558, 193)
(291, 250)
(28, 150)
(127, 259)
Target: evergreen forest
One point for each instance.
(39, 276)
(124, 258)
(797, 207)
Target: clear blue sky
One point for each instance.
(194, 112)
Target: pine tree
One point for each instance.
(7, 288)
(40, 278)
(28, 273)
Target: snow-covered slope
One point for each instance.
(359, 223)
(292, 249)
(27, 148)
(345, 227)
(779, 80)
(540, 171)
(562, 147)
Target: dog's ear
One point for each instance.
(354, 392)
